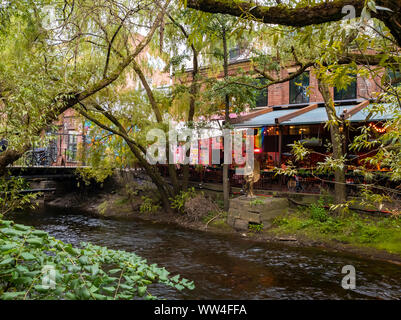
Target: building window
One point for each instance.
(262, 97)
(72, 147)
(234, 53)
(298, 89)
(394, 78)
(348, 93)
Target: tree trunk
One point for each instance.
(306, 15)
(337, 140)
(226, 176)
(157, 179)
(194, 92)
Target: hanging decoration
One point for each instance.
(258, 139)
(376, 128)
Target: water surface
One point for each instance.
(226, 267)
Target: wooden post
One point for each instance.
(280, 144)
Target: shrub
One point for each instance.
(280, 221)
(369, 234)
(178, 202)
(330, 226)
(148, 206)
(198, 207)
(318, 212)
(255, 227)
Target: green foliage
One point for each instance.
(280, 221)
(11, 198)
(148, 205)
(102, 208)
(95, 173)
(179, 200)
(81, 273)
(255, 227)
(318, 212)
(369, 233)
(381, 233)
(256, 202)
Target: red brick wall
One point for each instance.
(279, 94)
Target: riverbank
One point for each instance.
(293, 228)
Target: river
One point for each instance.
(226, 267)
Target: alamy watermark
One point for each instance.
(49, 277)
(349, 281)
(237, 146)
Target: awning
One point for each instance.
(315, 116)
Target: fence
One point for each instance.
(60, 150)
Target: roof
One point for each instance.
(315, 116)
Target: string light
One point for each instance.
(379, 130)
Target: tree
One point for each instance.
(48, 69)
(184, 24)
(333, 51)
(301, 13)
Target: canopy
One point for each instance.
(315, 116)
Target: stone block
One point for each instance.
(240, 225)
(268, 216)
(276, 203)
(230, 221)
(250, 216)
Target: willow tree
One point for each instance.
(56, 55)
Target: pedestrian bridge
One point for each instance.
(44, 172)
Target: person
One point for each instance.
(298, 187)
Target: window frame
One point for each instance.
(292, 86)
(264, 92)
(344, 91)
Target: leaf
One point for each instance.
(84, 293)
(372, 6)
(109, 289)
(40, 233)
(11, 232)
(27, 256)
(179, 287)
(8, 247)
(99, 296)
(21, 227)
(11, 295)
(6, 261)
(83, 260)
(42, 289)
(141, 291)
(275, 39)
(112, 271)
(35, 241)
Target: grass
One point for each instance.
(314, 222)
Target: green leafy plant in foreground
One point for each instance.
(88, 272)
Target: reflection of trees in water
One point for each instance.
(232, 272)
